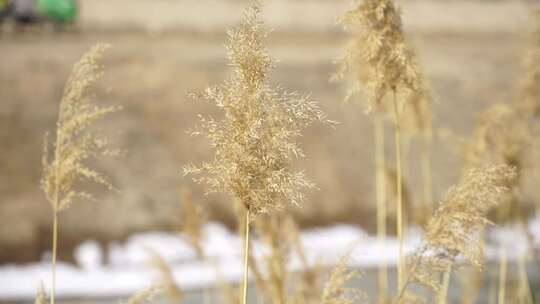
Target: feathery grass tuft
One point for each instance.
(193, 217)
(528, 100)
(75, 144)
(255, 141)
(146, 294)
(381, 66)
(455, 228)
(41, 296)
(377, 56)
(336, 290)
(167, 283)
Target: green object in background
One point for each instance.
(3, 5)
(58, 10)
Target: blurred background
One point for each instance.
(164, 49)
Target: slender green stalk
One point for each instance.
(380, 169)
(246, 258)
(399, 207)
(502, 277)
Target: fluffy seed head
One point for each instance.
(377, 58)
(336, 290)
(192, 221)
(500, 136)
(255, 141)
(455, 228)
(529, 97)
(146, 294)
(41, 296)
(75, 144)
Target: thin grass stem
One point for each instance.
(399, 207)
(502, 277)
(380, 163)
(246, 258)
(443, 294)
(53, 258)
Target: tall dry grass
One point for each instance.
(256, 140)
(75, 144)
(456, 227)
(382, 67)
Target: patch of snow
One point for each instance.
(89, 255)
(129, 269)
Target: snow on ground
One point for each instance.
(129, 269)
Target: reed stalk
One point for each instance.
(380, 163)
(525, 295)
(74, 146)
(255, 141)
(53, 258)
(443, 294)
(399, 193)
(502, 277)
(246, 257)
(426, 176)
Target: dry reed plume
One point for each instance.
(500, 136)
(146, 294)
(255, 141)
(455, 229)
(193, 217)
(528, 100)
(41, 296)
(381, 67)
(310, 277)
(167, 283)
(336, 290)
(75, 144)
(274, 231)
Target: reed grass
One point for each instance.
(503, 265)
(455, 228)
(255, 142)
(336, 290)
(41, 296)
(528, 100)
(167, 284)
(146, 294)
(193, 217)
(382, 66)
(380, 165)
(75, 144)
(524, 288)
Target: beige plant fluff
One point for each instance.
(75, 144)
(41, 296)
(255, 140)
(377, 58)
(500, 136)
(145, 295)
(193, 217)
(529, 97)
(168, 285)
(336, 290)
(455, 229)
